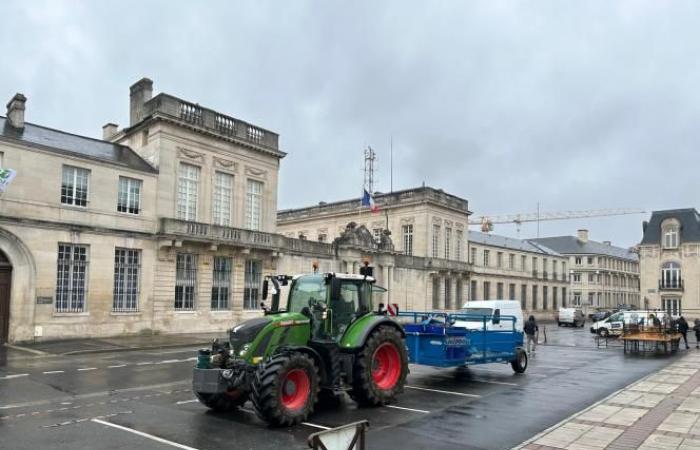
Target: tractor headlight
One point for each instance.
(243, 350)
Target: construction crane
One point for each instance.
(487, 222)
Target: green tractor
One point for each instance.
(328, 340)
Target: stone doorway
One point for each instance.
(5, 281)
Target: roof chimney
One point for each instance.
(609, 243)
(141, 92)
(109, 130)
(15, 110)
(582, 235)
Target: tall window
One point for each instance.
(671, 236)
(74, 187)
(486, 258)
(71, 278)
(473, 250)
(523, 263)
(534, 297)
(578, 260)
(487, 290)
(458, 245)
(377, 233)
(670, 275)
(577, 277)
(511, 261)
(672, 306)
(545, 295)
(534, 266)
(448, 236)
(223, 195)
(554, 269)
(511, 291)
(221, 283)
(555, 292)
(577, 299)
(185, 281)
(187, 192)
(591, 298)
(523, 297)
(408, 239)
(499, 291)
(472, 290)
(253, 207)
(499, 259)
(129, 196)
(127, 263)
(251, 288)
(563, 297)
(436, 240)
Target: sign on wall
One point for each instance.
(6, 177)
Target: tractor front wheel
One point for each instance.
(285, 389)
(222, 402)
(380, 368)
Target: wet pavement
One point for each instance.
(142, 399)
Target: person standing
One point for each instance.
(531, 331)
(696, 328)
(683, 330)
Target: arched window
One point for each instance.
(671, 276)
(670, 234)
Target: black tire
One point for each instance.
(558, 324)
(270, 384)
(519, 364)
(222, 402)
(365, 389)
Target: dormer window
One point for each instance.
(670, 236)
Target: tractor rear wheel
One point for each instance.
(380, 368)
(285, 389)
(222, 402)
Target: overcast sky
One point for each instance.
(577, 105)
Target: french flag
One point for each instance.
(368, 200)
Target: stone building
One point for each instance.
(428, 228)
(601, 274)
(669, 255)
(505, 268)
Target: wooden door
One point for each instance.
(5, 278)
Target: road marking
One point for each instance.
(168, 361)
(17, 375)
(48, 372)
(504, 383)
(444, 392)
(116, 366)
(182, 402)
(85, 369)
(146, 363)
(408, 409)
(308, 424)
(551, 367)
(142, 434)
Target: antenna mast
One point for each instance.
(370, 157)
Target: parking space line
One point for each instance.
(504, 383)
(85, 369)
(308, 424)
(182, 402)
(461, 394)
(48, 372)
(116, 366)
(408, 409)
(17, 375)
(142, 434)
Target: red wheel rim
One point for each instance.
(296, 388)
(386, 366)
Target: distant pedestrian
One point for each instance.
(683, 329)
(531, 332)
(696, 328)
(655, 320)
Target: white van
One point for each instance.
(615, 323)
(494, 309)
(571, 317)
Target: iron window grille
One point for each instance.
(185, 281)
(221, 283)
(74, 186)
(127, 266)
(71, 278)
(129, 197)
(252, 280)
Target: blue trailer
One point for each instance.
(433, 339)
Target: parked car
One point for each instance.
(571, 316)
(615, 323)
(599, 315)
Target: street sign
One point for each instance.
(6, 177)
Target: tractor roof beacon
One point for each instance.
(328, 339)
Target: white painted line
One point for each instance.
(461, 394)
(142, 434)
(116, 366)
(182, 402)
(315, 426)
(194, 358)
(551, 367)
(168, 361)
(408, 409)
(146, 363)
(504, 383)
(85, 369)
(17, 375)
(48, 372)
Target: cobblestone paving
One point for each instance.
(660, 411)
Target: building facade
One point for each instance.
(670, 262)
(505, 268)
(601, 274)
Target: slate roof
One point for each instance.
(688, 218)
(571, 245)
(74, 145)
(525, 245)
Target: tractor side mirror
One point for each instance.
(263, 307)
(264, 290)
(335, 288)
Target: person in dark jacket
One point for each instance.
(531, 331)
(696, 328)
(683, 330)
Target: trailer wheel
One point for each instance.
(222, 402)
(380, 368)
(519, 364)
(285, 389)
